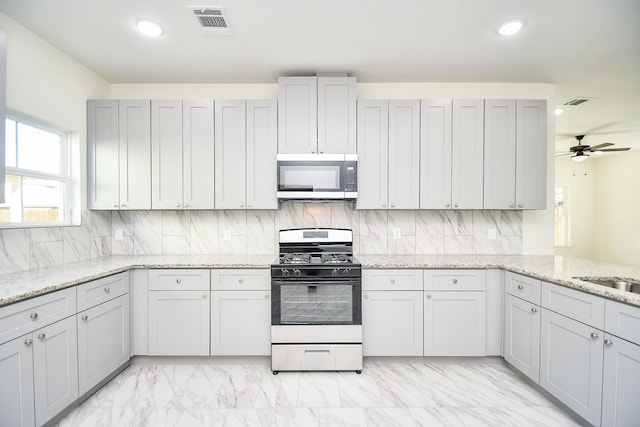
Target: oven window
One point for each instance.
(316, 304)
(299, 177)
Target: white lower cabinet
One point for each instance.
(179, 323)
(571, 358)
(16, 387)
(522, 336)
(392, 323)
(55, 368)
(103, 341)
(620, 383)
(455, 323)
(241, 323)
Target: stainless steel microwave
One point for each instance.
(317, 176)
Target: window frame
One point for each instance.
(64, 177)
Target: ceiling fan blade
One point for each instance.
(563, 154)
(599, 146)
(615, 149)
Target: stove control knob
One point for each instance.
(335, 272)
(285, 272)
(346, 271)
(296, 272)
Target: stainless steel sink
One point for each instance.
(623, 285)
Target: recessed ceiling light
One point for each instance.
(510, 27)
(558, 111)
(149, 28)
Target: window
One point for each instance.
(37, 174)
(561, 208)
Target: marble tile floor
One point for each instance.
(422, 392)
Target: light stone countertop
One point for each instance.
(560, 270)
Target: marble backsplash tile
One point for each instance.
(253, 232)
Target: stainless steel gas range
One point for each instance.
(316, 308)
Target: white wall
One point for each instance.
(579, 179)
(537, 233)
(616, 234)
(45, 83)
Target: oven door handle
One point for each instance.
(314, 283)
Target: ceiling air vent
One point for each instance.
(212, 19)
(577, 101)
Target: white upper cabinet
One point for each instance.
(119, 154)
(317, 115)
(467, 154)
(515, 154)
(245, 165)
(435, 154)
(388, 154)
(451, 154)
(182, 143)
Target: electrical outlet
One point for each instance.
(492, 233)
(226, 234)
(119, 234)
(397, 234)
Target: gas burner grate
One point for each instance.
(295, 258)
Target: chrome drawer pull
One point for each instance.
(534, 310)
(608, 342)
(178, 280)
(520, 287)
(317, 351)
(28, 341)
(85, 317)
(107, 290)
(594, 335)
(41, 336)
(455, 281)
(33, 316)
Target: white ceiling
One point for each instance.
(588, 48)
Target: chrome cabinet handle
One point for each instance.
(366, 296)
(520, 287)
(428, 296)
(177, 205)
(534, 310)
(186, 205)
(447, 205)
(393, 205)
(124, 205)
(608, 342)
(41, 336)
(28, 341)
(250, 205)
(33, 316)
(115, 205)
(204, 296)
(107, 290)
(455, 205)
(178, 280)
(392, 281)
(512, 205)
(242, 205)
(594, 335)
(240, 280)
(455, 281)
(384, 205)
(520, 205)
(85, 317)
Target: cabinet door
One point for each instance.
(522, 336)
(435, 154)
(467, 154)
(373, 154)
(179, 323)
(103, 341)
(499, 154)
(337, 115)
(198, 154)
(571, 364)
(392, 323)
(262, 148)
(241, 323)
(455, 324)
(135, 154)
(231, 160)
(16, 387)
(166, 154)
(297, 114)
(404, 154)
(621, 383)
(55, 368)
(103, 179)
(531, 154)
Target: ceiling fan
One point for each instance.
(581, 152)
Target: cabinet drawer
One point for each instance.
(98, 291)
(392, 280)
(622, 320)
(177, 279)
(245, 279)
(454, 280)
(574, 304)
(27, 316)
(523, 287)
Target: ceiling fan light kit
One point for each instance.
(579, 157)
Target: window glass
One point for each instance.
(10, 143)
(38, 150)
(561, 211)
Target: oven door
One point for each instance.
(331, 302)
